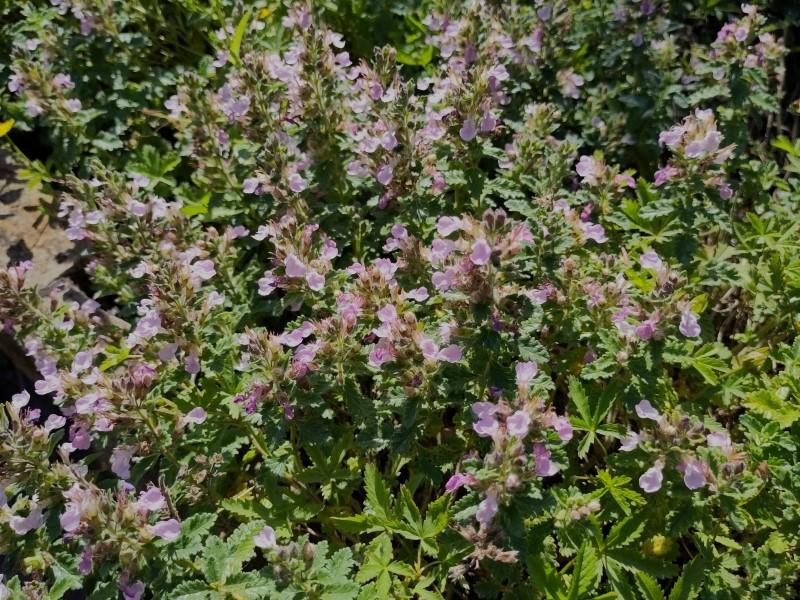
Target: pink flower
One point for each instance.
(458, 480)
(469, 130)
(294, 267)
(266, 285)
(151, 500)
(168, 530)
(451, 354)
(296, 183)
(593, 231)
(645, 410)
(132, 591)
(518, 424)
(526, 371)
(192, 363)
(630, 441)
(22, 525)
(21, 399)
(694, 476)
(54, 422)
(266, 539)
(481, 252)
(544, 466)
(73, 105)
(250, 185)
(314, 280)
(563, 428)
(63, 81)
(651, 260)
(689, 325)
(486, 426)
(387, 314)
(167, 353)
(381, 353)
(70, 519)
(121, 462)
(651, 480)
(440, 250)
(487, 509)
(721, 440)
(484, 410)
(195, 416)
(203, 269)
(419, 294)
(590, 169)
(447, 225)
(665, 174)
(384, 174)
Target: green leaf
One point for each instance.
(377, 565)
(690, 583)
(378, 497)
(116, 356)
(649, 587)
(238, 35)
(578, 396)
(193, 531)
(626, 531)
(546, 578)
(64, 581)
(586, 574)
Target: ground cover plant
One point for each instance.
(423, 299)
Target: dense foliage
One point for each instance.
(475, 299)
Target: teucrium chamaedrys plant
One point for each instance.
(505, 309)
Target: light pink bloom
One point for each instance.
(294, 267)
(384, 174)
(458, 480)
(152, 499)
(481, 252)
(419, 294)
(486, 426)
(314, 280)
(651, 480)
(381, 353)
(487, 509)
(630, 441)
(203, 269)
(192, 363)
(721, 440)
(451, 354)
(447, 225)
(645, 410)
(169, 530)
(296, 183)
(469, 130)
(266, 539)
(70, 519)
(518, 424)
(689, 325)
(544, 466)
(20, 399)
(387, 314)
(196, 416)
(526, 371)
(121, 462)
(250, 185)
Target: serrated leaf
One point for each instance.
(690, 583)
(585, 574)
(378, 498)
